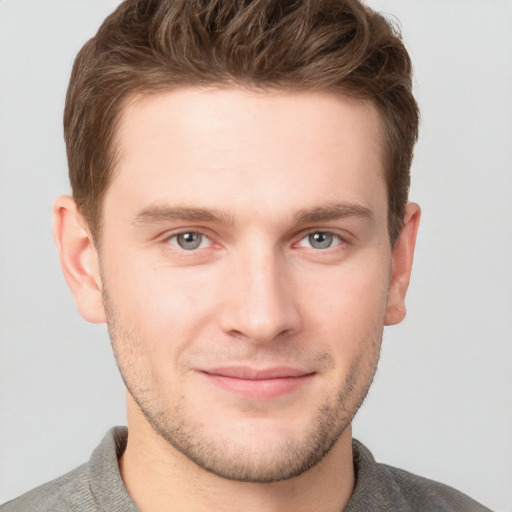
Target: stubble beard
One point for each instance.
(234, 459)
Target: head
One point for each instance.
(149, 46)
(240, 219)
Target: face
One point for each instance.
(245, 270)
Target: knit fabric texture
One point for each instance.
(97, 486)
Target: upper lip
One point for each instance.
(249, 373)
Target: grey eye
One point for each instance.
(320, 240)
(189, 241)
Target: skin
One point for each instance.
(245, 358)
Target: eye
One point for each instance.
(189, 241)
(320, 240)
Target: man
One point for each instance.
(240, 220)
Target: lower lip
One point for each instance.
(263, 389)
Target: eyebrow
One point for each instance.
(155, 214)
(332, 212)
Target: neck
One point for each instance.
(156, 476)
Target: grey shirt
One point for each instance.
(97, 486)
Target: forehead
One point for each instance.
(245, 148)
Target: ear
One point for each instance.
(78, 258)
(401, 265)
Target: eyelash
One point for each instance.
(336, 237)
(188, 232)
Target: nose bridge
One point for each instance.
(261, 305)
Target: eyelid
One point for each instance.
(203, 240)
(329, 231)
(343, 239)
(169, 235)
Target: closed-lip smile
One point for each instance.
(258, 383)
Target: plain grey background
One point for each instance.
(441, 404)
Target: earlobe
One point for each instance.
(402, 257)
(78, 259)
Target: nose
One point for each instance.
(261, 303)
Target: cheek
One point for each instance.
(164, 307)
(354, 294)
(349, 311)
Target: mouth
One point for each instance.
(258, 384)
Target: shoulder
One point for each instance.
(68, 493)
(383, 487)
(424, 494)
(96, 486)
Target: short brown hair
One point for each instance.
(146, 46)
